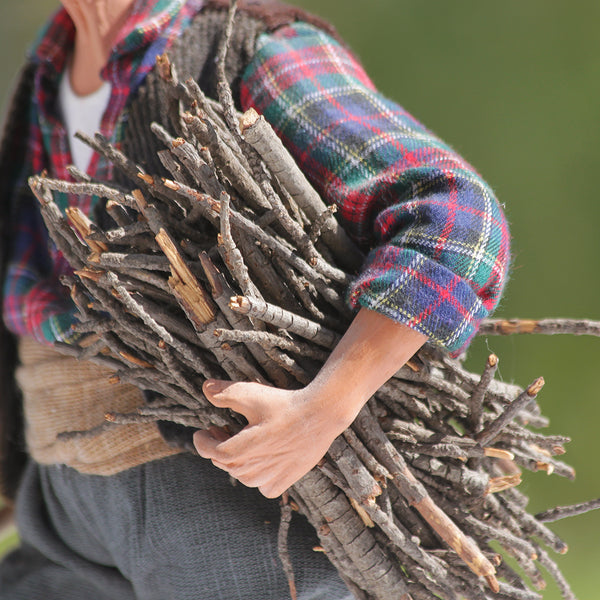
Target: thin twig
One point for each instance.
(282, 546)
(540, 326)
(562, 512)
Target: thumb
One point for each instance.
(207, 442)
(245, 398)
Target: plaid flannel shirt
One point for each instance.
(35, 302)
(437, 237)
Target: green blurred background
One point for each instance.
(513, 86)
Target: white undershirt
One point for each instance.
(81, 113)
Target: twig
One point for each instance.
(232, 256)
(490, 432)
(476, 402)
(562, 512)
(223, 89)
(270, 340)
(541, 326)
(282, 546)
(285, 320)
(256, 131)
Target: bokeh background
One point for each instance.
(514, 86)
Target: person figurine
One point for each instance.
(131, 517)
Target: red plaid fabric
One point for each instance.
(34, 300)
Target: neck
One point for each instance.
(97, 24)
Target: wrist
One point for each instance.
(337, 404)
(371, 351)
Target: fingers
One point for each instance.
(217, 445)
(272, 490)
(211, 446)
(242, 397)
(206, 443)
(253, 473)
(219, 434)
(267, 481)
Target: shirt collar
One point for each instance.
(147, 21)
(54, 41)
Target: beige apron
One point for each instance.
(62, 394)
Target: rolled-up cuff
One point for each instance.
(412, 289)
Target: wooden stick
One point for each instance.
(185, 286)
(270, 340)
(232, 256)
(229, 162)
(282, 546)
(476, 401)
(284, 319)
(490, 432)
(562, 512)
(540, 326)
(260, 136)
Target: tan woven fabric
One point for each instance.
(61, 394)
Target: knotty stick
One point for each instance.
(540, 326)
(284, 319)
(522, 401)
(562, 512)
(476, 401)
(282, 535)
(261, 137)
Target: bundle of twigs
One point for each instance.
(232, 267)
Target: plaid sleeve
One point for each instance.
(35, 303)
(437, 238)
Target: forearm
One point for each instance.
(373, 348)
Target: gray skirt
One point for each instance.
(175, 528)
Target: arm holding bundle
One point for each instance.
(437, 237)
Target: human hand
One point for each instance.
(288, 432)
